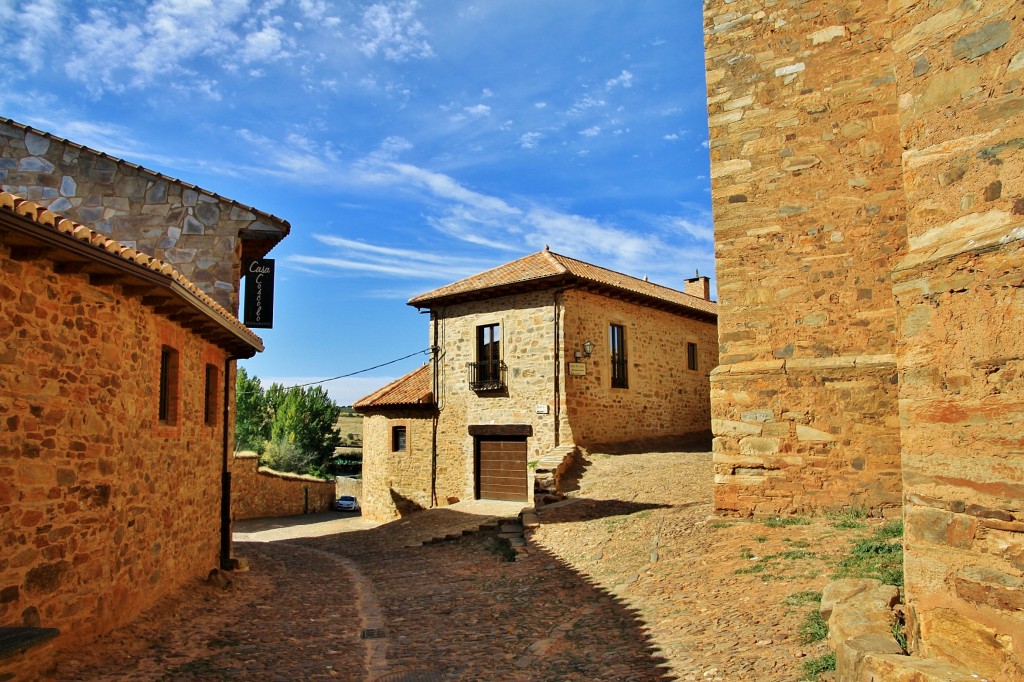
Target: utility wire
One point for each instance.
(361, 371)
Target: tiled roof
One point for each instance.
(546, 268)
(413, 389)
(281, 223)
(70, 230)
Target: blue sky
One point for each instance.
(409, 143)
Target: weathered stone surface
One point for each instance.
(984, 40)
(132, 205)
(258, 492)
(112, 510)
(937, 88)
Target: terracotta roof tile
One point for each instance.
(413, 389)
(72, 230)
(537, 268)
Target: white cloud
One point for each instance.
(584, 104)
(39, 23)
(624, 79)
(478, 110)
(264, 45)
(671, 137)
(703, 231)
(592, 131)
(393, 30)
(530, 140)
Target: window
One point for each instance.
(618, 348)
(210, 396)
(487, 373)
(168, 410)
(398, 439)
(691, 356)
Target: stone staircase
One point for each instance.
(548, 474)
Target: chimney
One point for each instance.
(698, 286)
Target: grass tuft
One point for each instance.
(814, 628)
(879, 556)
(783, 521)
(814, 667)
(802, 598)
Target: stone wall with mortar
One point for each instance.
(258, 492)
(664, 398)
(103, 508)
(960, 288)
(528, 349)
(810, 220)
(196, 231)
(396, 483)
(916, 107)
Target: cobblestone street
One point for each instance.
(627, 581)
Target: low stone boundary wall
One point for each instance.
(549, 471)
(259, 492)
(345, 485)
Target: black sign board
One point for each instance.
(259, 294)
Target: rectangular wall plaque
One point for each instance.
(577, 369)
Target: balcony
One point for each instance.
(487, 376)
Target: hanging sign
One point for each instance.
(259, 294)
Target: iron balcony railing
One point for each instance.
(487, 376)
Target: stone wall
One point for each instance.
(103, 508)
(810, 220)
(397, 483)
(869, 155)
(528, 349)
(258, 492)
(664, 398)
(205, 236)
(960, 288)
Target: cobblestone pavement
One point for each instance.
(627, 581)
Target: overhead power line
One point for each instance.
(360, 371)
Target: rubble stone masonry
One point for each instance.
(960, 290)
(810, 220)
(103, 507)
(397, 483)
(258, 492)
(868, 161)
(663, 398)
(198, 232)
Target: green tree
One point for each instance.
(306, 419)
(252, 417)
(293, 429)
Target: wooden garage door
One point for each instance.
(501, 469)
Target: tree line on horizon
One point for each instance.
(291, 429)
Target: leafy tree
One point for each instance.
(252, 417)
(306, 418)
(293, 428)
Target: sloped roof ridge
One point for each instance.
(72, 230)
(616, 273)
(546, 264)
(408, 389)
(162, 176)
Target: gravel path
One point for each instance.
(627, 580)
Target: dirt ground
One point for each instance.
(634, 568)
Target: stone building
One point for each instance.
(205, 236)
(116, 385)
(866, 163)
(115, 395)
(536, 356)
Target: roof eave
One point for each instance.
(189, 310)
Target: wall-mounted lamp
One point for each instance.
(588, 348)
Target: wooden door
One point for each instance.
(501, 469)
